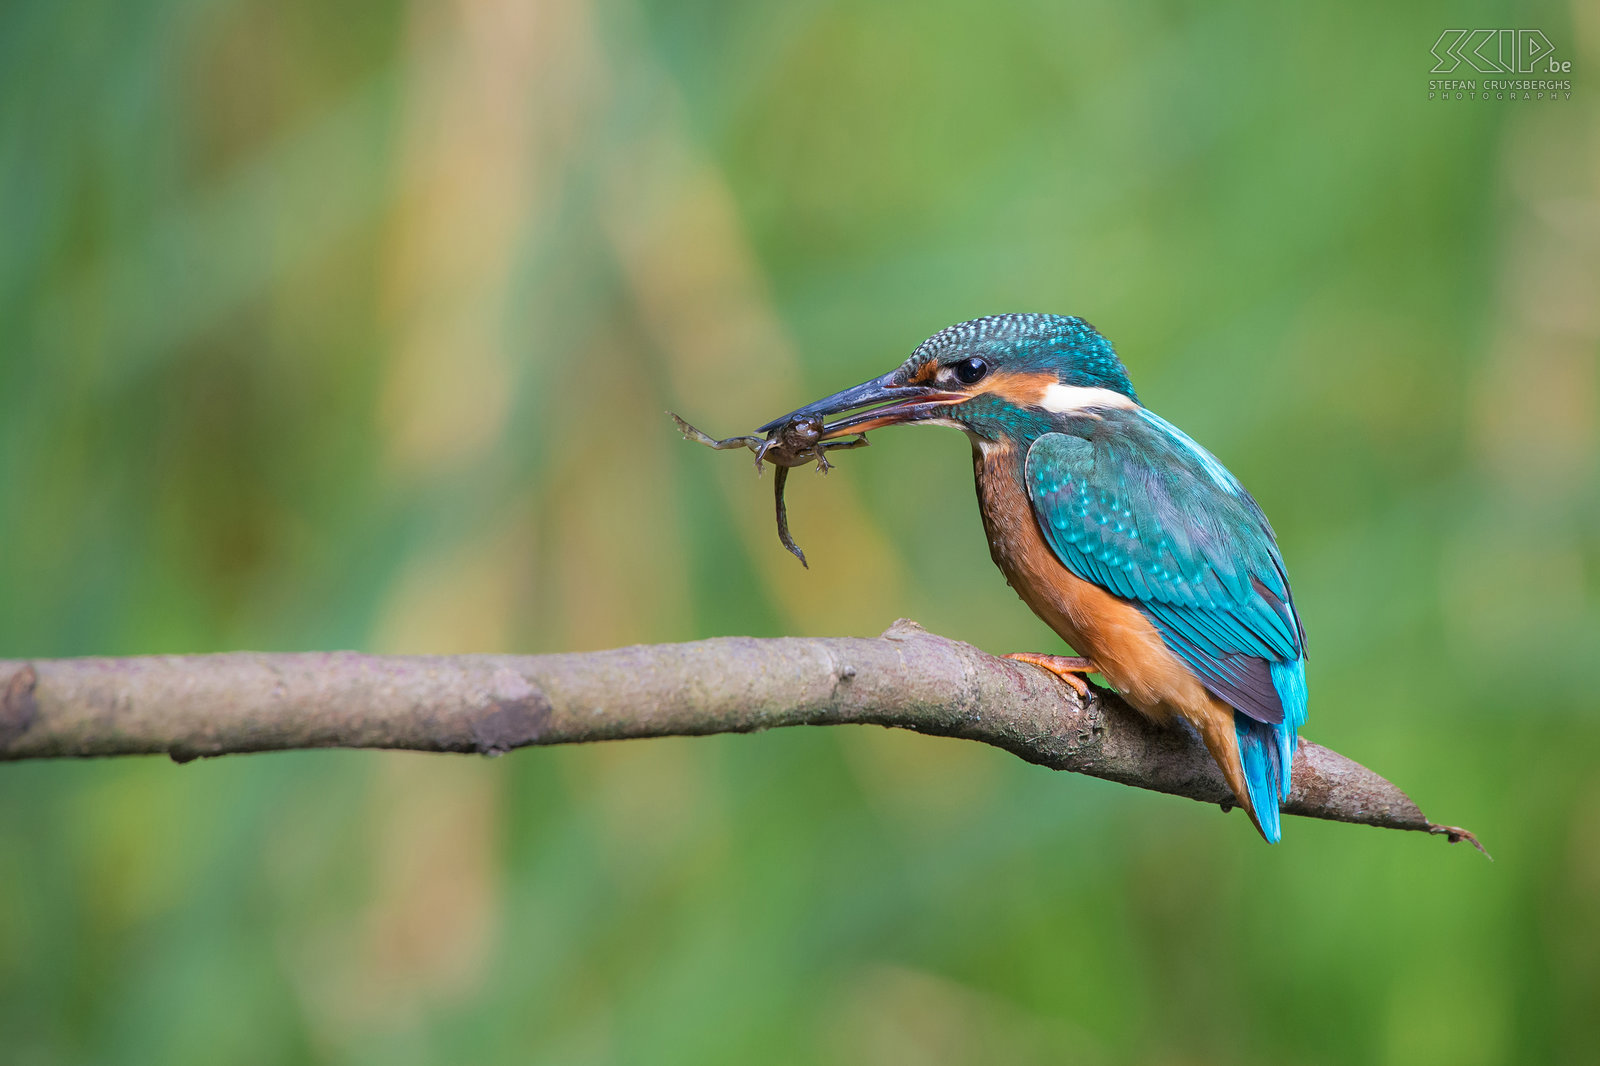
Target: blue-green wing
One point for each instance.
(1133, 505)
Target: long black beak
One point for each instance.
(888, 403)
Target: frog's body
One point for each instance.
(794, 442)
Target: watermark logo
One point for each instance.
(1514, 52)
(1497, 52)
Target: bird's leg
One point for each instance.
(1066, 667)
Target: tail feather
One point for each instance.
(1266, 752)
(1261, 757)
(1290, 681)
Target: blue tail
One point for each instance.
(1267, 751)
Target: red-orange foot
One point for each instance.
(1066, 667)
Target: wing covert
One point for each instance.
(1139, 509)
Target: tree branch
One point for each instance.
(199, 705)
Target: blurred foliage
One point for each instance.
(352, 325)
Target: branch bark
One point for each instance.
(201, 705)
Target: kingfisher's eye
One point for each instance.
(970, 371)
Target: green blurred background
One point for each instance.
(352, 326)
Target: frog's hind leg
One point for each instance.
(690, 433)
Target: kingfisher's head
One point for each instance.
(1004, 377)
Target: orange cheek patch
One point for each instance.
(1019, 389)
(925, 373)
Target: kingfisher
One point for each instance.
(1125, 536)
